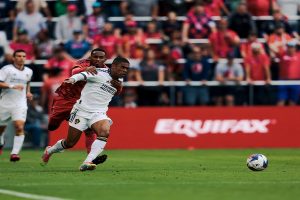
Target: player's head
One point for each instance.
(119, 67)
(98, 57)
(19, 57)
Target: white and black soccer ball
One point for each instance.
(257, 162)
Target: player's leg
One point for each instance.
(102, 128)
(90, 137)
(18, 140)
(2, 129)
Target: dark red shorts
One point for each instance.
(60, 110)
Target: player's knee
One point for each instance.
(104, 131)
(19, 129)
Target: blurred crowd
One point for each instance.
(179, 40)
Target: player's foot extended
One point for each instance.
(14, 157)
(87, 166)
(100, 159)
(46, 156)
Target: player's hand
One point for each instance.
(70, 80)
(29, 96)
(117, 84)
(91, 70)
(18, 87)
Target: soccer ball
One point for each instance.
(257, 162)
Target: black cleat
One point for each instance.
(100, 159)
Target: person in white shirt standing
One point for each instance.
(15, 84)
(90, 110)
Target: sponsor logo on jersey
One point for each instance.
(77, 121)
(108, 89)
(193, 128)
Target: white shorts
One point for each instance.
(83, 120)
(14, 114)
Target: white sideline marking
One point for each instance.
(28, 196)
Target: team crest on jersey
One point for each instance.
(77, 121)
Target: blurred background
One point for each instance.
(182, 52)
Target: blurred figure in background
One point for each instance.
(196, 69)
(150, 70)
(223, 41)
(44, 45)
(94, 23)
(39, 5)
(140, 8)
(78, 47)
(109, 41)
(5, 50)
(289, 70)
(35, 122)
(67, 23)
(227, 73)
(30, 20)
(257, 67)
(61, 61)
(23, 42)
(246, 49)
(197, 25)
(170, 25)
(215, 7)
(241, 21)
(61, 7)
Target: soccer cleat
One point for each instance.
(46, 156)
(14, 157)
(87, 166)
(100, 159)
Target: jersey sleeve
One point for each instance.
(83, 76)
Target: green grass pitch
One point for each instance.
(157, 174)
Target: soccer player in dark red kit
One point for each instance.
(68, 94)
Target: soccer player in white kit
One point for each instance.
(14, 82)
(90, 110)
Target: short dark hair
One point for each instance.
(120, 59)
(98, 49)
(18, 51)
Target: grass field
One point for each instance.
(158, 175)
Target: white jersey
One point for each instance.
(12, 98)
(97, 92)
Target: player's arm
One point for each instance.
(28, 92)
(118, 85)
(3, 85)
(82, 76)
(90, 70)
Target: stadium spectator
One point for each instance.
(134, 42)
(150, 70)
(130, 98)
(278, 40)
(197, 24)
(94, 23)
(246, 49)
(39, 5)
(34, 122)
(289, 70)
(59, 60)
(61, 7)
(261, 8)
(233, 4)
(278, 19)
(257, 67)
(67, 23)
(29, 20)
(196, 69)
(223, 41)
(127, 23)
(109, 41)
(214, 7)
(7, 9)
(226, 73)
(23, 42)
(153, 33)
(241, 21)
(5, 50)
(140, 8)
(170, 25)
(44, 45)
(78, 47)
(177, 6)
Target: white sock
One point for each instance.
(96, 149)
(58, 147)
(18, 143)
(2, 139)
